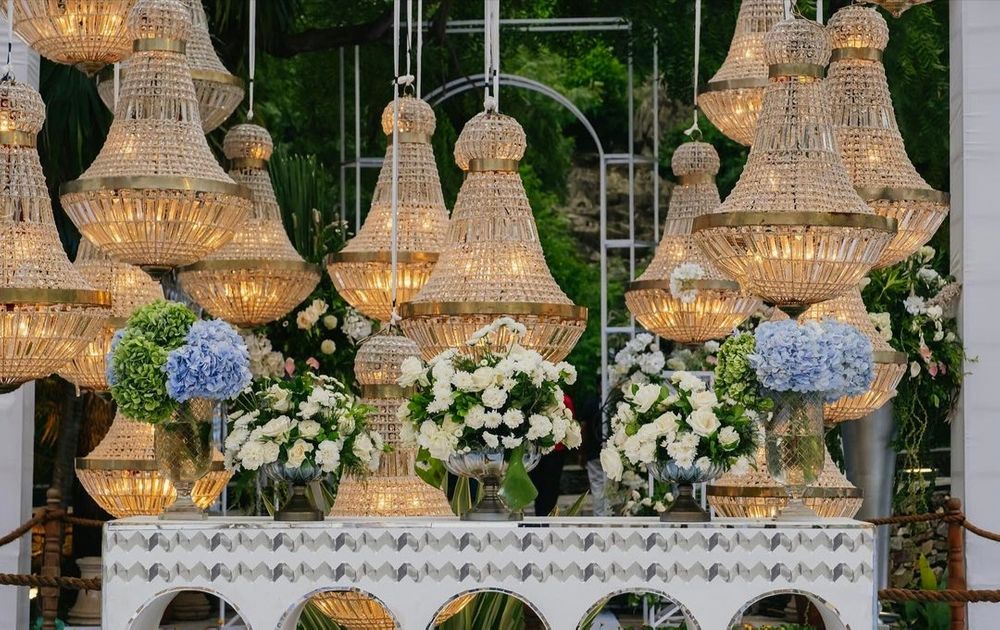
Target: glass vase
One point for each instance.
(684, 508)
(298, 507)
(489, 467)
(795, 448)
(182, 446)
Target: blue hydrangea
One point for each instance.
(109, 370)
(213, 363)
(826, 357)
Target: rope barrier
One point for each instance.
(40, 581)
(904, 519)
(945, 596)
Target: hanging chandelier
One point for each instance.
(87, 34)
(50, 312)
(890, 365)
(492, 264)
(129, 288)
(155, 196)
(361, 270)
(897, 7)
(832, 495)
(732, 98)
(257, 277)
(794, 231)
(864, 123)
(354, 610)
(121, 474)
(219, 91)
(717, 306)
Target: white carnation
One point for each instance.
(729, 438)
(490, 440)
(513, 418)
(511, 442)
(328, 456)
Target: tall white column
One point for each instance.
(975, 234)
(17, 426)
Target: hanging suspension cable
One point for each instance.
(491, 46)
(819, 11)
(117, 84)
(253, 56)
(8, 69)
(420, 44)
(694, 129)
(394, 235)
(788, 9)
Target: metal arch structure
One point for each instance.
(476, 81)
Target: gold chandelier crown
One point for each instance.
(129, 288)
(793, 230)
(492, 264)
(155, 196)
(868, 136)
(718, 306)
(50, 311)
(361, 271)
(257, 277)
(732, 98)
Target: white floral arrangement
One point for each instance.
(681, 279)
(685, 424)
(265, 361)
(356, 326)
(640, 361)
(309, 419)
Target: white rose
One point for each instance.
(688, 381)
(645, 396)
(573, 437)
(703, 399)
(308, 409)
(442, 444)
(483, 377)
(513, 418)
(309, 428)
(703, 421)
(330, 322)
(926, 253)
(270, 452)
(297, 453)
(363, 447)
(611, 462)
(490, 440)
(304, 320)
(277, 428)
(676, 363)
(729, 438)
(935, 312)
(407, 435)
(412, 371)
(328, 456)
(494, 397)
(327, 347)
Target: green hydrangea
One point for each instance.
(164, 323)
(735, 378)
(140, 387)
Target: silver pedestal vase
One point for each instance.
(684, 509)
(298, 507)
(489, 467)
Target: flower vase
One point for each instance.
(795, 448)
(684, 508)
(489, 467)
(298, 507)
(182, 446)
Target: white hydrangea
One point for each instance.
(683, 274)
(356, 326)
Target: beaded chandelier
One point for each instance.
(890, 365)
(50, 312)
(155, 196)
(395, 489)
(130, 288)
(897, 7)
(492, 264)
(868, 137)
(361, 271)
(84, 33)
(832, 495)
(121, 474)
(732, 98)
(718, 305)
(219, 92)
(794, 231)
(257, 277)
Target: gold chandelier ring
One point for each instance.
(215, 76)
(865, 54)
(76, 297)
(382, 257)
(805, 219)
(163, 44)
(250, 263)
(874, 193)
(385, 391)
(735, 84)
(424, 309)
(155, 182)
(705, 284)
(814, 70)
(143, 465)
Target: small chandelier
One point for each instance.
(794, 231)
(219, 91)
(130, 288)
(897, 7)
(257, 277)
(361, 271)
(121, 474)
(890, 365)
(732, 98)
(50, 312)
(81, 33)
(395, 489)
(832, 495)
(718, 305)
(492, 264)
(155, 196)
(864, 123)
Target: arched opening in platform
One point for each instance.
(787, 606)
(638, 608)
(487, 608)
(353, 609)
(187, 606)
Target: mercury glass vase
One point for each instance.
(298, 507)
(684, 509)
(182, 446)
(489, 467)
(795, 447)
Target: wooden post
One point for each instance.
(51, 560)
(956, 564)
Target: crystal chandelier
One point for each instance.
(50, 311)
(794, 231)
(155, 196)
(129, 288)
(219, 92)
(395, 489)
(833, 496)
(890, 365)
(870, 144)
(732, 98)
(356, 611)
(897, 7)
(121, 475)
(84, 33)
(257, 277)
(361, 270)
(718, 305)
(492, 264)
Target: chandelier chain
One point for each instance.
(8, 69)
(491, 47)
(253, 56)
(694, 130)
(420, 43)
(394, 235)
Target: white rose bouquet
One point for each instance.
(511, 402)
